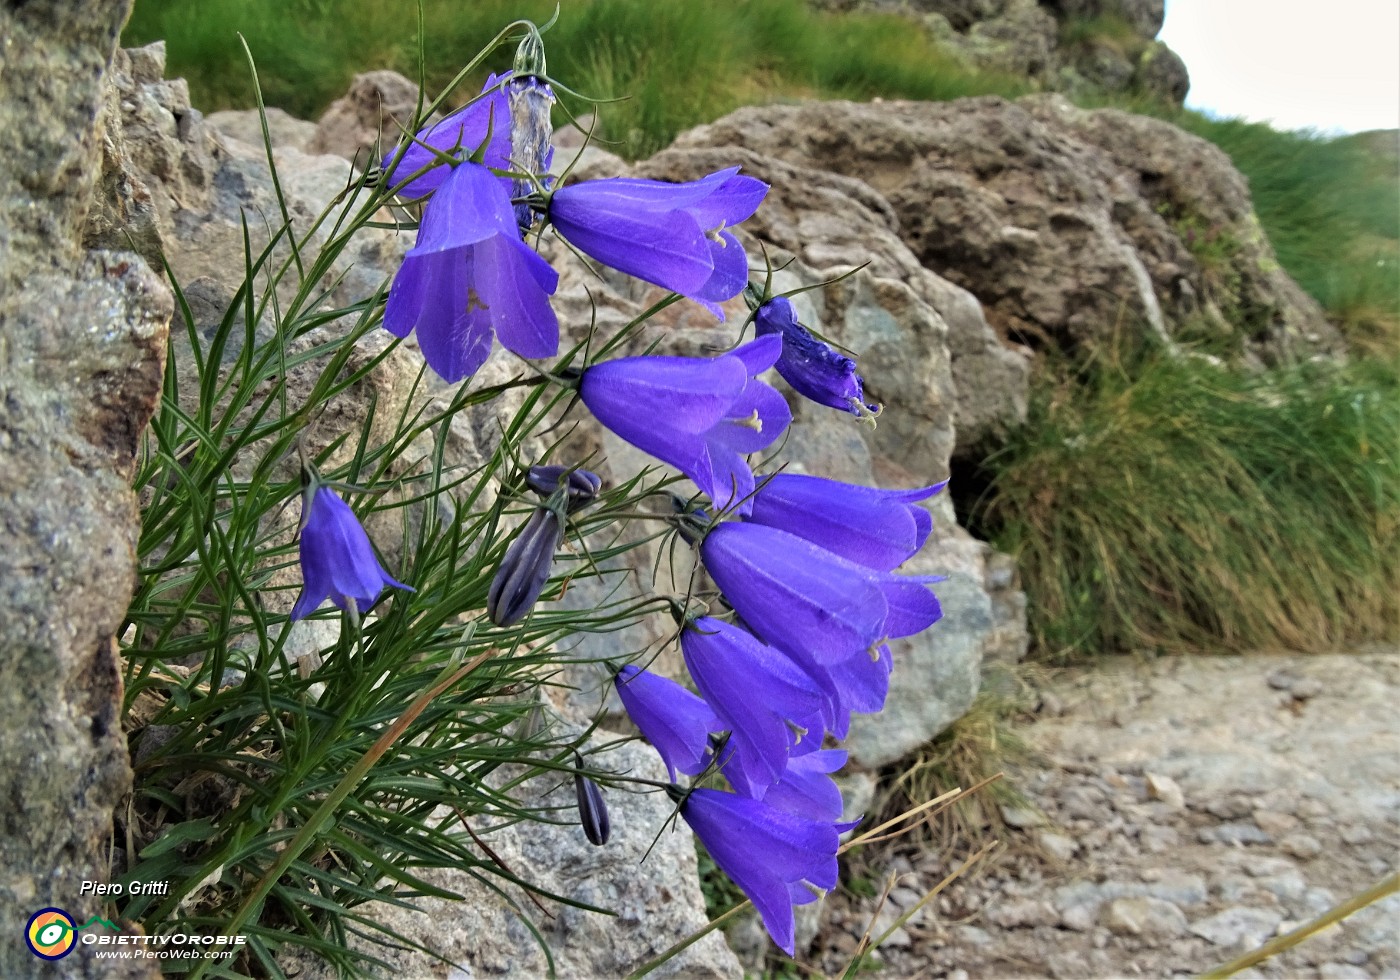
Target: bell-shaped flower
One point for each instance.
(759, 695)
(701, 415)
(815, 369)
(676, 722)
(461, 133)
(775, 856)
(470, 277)
(880, 529)
(525, 568)
(668, 234)
(802, 598)
(804, 787)
(337, 559)
(858, 684)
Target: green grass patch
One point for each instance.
(675, 65)
(1167, 503)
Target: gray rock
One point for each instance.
(1005, 199)
(1238, 926)
(1150, 918)
(366, 122)
(82, 341)
(1022, 913)
(1058, 846)
(1233, 833)
(1166, 789)
(245, 125)
(1304, 846)
(657, 902)
(1021, 817)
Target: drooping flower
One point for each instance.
(860, 683)
(880, 529)
(470, 277)
(777, 857)
(816, 370)
(337, 559)
(701, 415)
(758, 693)
(525, 568)
(803, 787)
(806, 787)
(462, 132)
(668, 234)
(676, 722)
(802, 598)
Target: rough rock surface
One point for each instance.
(1067, 224)
(647, 896)
(368, 119)
(1065, 45)
(1277, 797)
(82, 341)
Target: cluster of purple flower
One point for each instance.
(807, 565)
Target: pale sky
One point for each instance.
(1334, 67)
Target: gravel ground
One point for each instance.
(1185, 810)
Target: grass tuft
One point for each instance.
(1165, 502)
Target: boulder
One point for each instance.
(368, 119)
(1069, 225)
(83, 341)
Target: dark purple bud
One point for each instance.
(525, 569)
(592, 810)
(583, 486)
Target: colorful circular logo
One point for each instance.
(51, 934)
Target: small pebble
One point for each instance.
(1304, 846)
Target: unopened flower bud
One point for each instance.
(592, 810)
(582, 486)
(525, 569)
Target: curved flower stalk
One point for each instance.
(464, 130)
(337, 560)
(776, 856)
(676, 722)
(815, 369)
(668, 234)
(470, 277)
(880, 529)
(701, 415)
(769, 705)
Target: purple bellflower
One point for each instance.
(337, 559)
(759, 694)
(772, 854)
(470, 276)
(668, 234)
(676, 722)
(816, 370)
(464, 130)
(701, 415)
(802, 598)
(880, 529)
(804, 787)
(860, 683)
